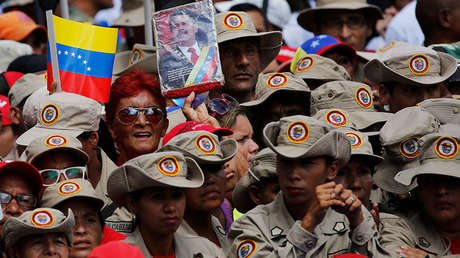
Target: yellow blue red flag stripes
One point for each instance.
(85, 56)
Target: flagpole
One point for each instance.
(65, 9)
(148, 22)
(53, 51)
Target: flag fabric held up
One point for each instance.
(85, 55)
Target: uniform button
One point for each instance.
(359, 237)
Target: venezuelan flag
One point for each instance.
(85, 55)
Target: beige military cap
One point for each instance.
(204, 147)
(24, 87)
(54, 142)
(316, 67)
(64, 112)
(360, 145)
(70, 189)
(168, 168)
(354, 97)
(142, 56)
(38, 221)
(298, 136)
(263, 166)
(400, 142)
(307, 17)
(270, 83)
(409, 64)
(439, 156)
(236, 25)
(133, 13)
(445, 109)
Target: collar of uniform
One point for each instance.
(135, 239)
(280, 220)
(427, 238)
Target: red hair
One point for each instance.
(129, 85)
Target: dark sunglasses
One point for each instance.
(222, 105)
(23, 200)
(128, 115)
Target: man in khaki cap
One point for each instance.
(244, 53)
(258, 186)
(399, 139)
(42, 232)
(316, 70)
(211, 155)
(152, 186)
(445, 109)
(79, 196)
(351, 21)
(409, 74)
(277, 95)
(309, 217)
(433, 230)
(355, 98)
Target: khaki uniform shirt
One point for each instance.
(270, 231)
(185, 229)
(412, 232)
(184, 246)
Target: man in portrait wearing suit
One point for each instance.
(185, 48)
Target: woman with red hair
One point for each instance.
(136, 114)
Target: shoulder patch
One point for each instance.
(246, 248)
(276, 231)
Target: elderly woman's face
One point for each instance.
(159, 209)
(141, 136)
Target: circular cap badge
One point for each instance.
(336, 118)
(409, 148)
(169, 166)
(277, 80)
(298, 132)
(135, 56)
(419, 64)
(304, 64)
(55, 141)
(363, 97)
(446, 147)
(42, 218)
(355, 139)
(387, 46)
(69, 188)
(49, 114)
(246, 248)
(233, 21)
(205, 144)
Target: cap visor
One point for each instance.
(436, 167)
(35, 132)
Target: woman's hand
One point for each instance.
(199, 114)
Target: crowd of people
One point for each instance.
(334, 134)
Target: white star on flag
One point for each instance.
(315, 43)
(322, 36)
(66, 52)
(89, 69)
(59, 52)
(84, 61)
(73, 54)
(79, 57)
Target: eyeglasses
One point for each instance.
(352, 22)
(222, 105)
(128, 115)
(23, 200)
(51, 176)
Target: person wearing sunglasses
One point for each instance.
(58, 157)
(20, 187)
(351, 22)
(136, 114)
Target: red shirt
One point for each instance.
(455, 246)
(111, 235)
